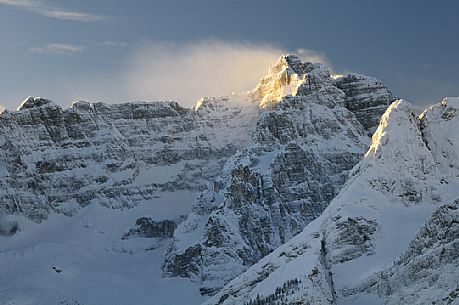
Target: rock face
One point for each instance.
(366, 97)
(54, 159)
(404, 192)
(8, 228)
(148, 228)
(301, 152)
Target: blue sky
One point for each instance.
(114, 50)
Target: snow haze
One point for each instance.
(186, 73)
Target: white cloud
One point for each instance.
(40, 8)
(166, 71)
(109, 43)
(313, 56)
(58, 48)
(20, 3)
(185, 73)
(69, 48)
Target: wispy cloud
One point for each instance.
(314, 56)
(425, 66)
(40, 8)
(164, 71)
(185, 73)
(109, 43)
(58, 48)
(69, 48)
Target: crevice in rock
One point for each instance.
(422, 128)
(326, 263)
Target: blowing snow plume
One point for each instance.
(165, 71)
(210, 68)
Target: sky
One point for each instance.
(117, 51)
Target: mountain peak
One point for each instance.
(400, 115)
(295, 63)
(285, 78)
(34, 102)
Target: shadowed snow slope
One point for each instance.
(379, 218)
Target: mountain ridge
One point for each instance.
(302, 148)
(295, 203)
(357, 235)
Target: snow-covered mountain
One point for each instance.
(91, 195)
(268, 194)
(391, 235)
(55, 159)
(301, 151)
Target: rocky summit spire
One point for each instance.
(365, 96)
(33, 102)
(286, 77)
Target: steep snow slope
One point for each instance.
(428, 271)
(300, 154)
(389, 197)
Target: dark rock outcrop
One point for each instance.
(366, 97)
(146, 227)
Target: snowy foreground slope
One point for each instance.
(391, 236)
(83, 260)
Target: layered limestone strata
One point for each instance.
(54, 159)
